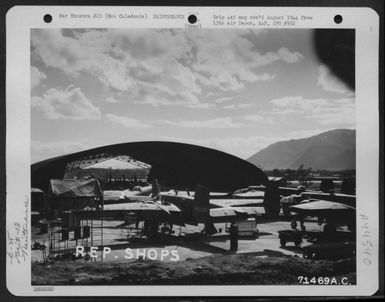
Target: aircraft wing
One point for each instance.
(144, 209)
(241, 207)
(172, 197)
(216, 195)
(283, 191)
(254, 194)
(237, 202)
(321, 206)
(170, 208)
(113, 195)
(249, 211)
(349, 200)
(134, 207)
(137, 198)
(223, 212)
(334, 211)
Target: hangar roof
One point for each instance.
(175, 165)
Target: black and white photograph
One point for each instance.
(162, 156)
(195, 155)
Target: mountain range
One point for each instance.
(331, 150)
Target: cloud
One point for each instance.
(333, 112)
(257, 118)
(329, 82)
(43, 150)
(36, 76)
(221, 102)
(282, 112)
(138, 62)
(216, 123)
(238, 106)
(157, 96)
(229, 60)
(220, 122)
(227, 99)
(126, 122)
(70, 103)
(112, 100)
(163, 101)
(162, 66)
(289, 57)
(263, 77)
(289, 101)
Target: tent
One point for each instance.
(74, 194)
(74, 188)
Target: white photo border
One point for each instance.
(365, 21)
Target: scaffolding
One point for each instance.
(57, 242)
(97, 158)
(83, 229)
(78, 207)
(97, 230)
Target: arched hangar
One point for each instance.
(175, 165)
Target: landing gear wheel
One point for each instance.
(293, 225)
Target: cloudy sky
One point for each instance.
(233, 90)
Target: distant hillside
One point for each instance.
(331, 150)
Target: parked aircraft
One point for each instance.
(328, 212)
(301, 190)
(330, 208)
(180, 208)
(300, 193)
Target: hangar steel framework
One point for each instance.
(93, 159)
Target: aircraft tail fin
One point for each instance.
(201, 203)
(155, 188)
(202, 209)
(271, 201)
(202, 196)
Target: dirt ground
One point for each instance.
(201, 260)
(266, 244)
(231, 269)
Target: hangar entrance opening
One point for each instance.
(114, 172)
